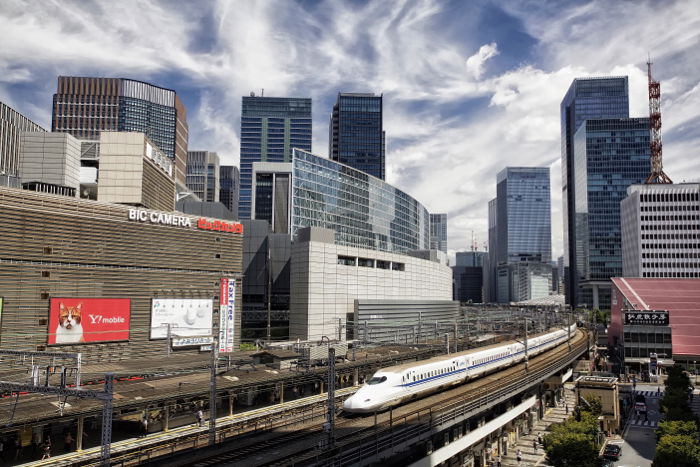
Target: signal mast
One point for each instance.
(657, 175)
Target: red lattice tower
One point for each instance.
(657, 174)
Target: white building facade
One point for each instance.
(326, 279)
(661, 231)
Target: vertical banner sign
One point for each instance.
(227, 301)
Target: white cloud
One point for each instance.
(450, 125)
(475, 63)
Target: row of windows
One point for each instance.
(370, 263)
(691, 217)
(683, 274)
(684, 255)
(479, 361)
(669, 227)
(670, 236)
(666, 197)
(671, 207)
(429, 374)
(671, 264)
(669, 246)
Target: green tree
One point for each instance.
(593, 405)
(677, 451)
(567, 448)
(683, 428)
(677, 378)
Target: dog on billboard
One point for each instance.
(69, 329)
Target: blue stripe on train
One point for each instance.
(424, 380)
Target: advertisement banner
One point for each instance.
(84, 320)
(646, 318)
(227, 302)
(187, 317)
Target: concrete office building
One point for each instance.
(229, 186)
(134, 171)
(50, 162)
(587, 98)
(523, 281)
(272, 193)
(270, 128)
(438, 232)
(86, 107)
(356, 134)
(12, 124)
(609, 156)
(203, 174)
(661, 231)
(327, 278)
(114, 261)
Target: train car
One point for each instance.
(392, 386)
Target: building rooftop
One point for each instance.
(681, 297)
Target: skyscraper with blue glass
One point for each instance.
(356, 136)
(524, 225)
(587, 98)
(270, 128)
(609, 155)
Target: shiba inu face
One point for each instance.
(69, 316)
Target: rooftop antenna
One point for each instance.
(657, 175)
(262, 92)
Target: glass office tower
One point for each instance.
(270, 128)
(609, 156)
(438, 232)
(524, 225)
(203, 174)
(587, 98)
(357, 133)
(364, 211)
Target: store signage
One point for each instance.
(80, 320)
(187, 317)
(220, 226)
(192, 341)
(154, 217)
(227, 302)
(647, 318)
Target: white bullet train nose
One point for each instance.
(359, 403)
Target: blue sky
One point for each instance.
(469, 87)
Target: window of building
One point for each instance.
(346, 260)
(365, 262)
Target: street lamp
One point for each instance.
(695, 371)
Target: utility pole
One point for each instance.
(447, 342)
(527, 365)
(169, 340)
(455, 336)
(107, 420)
(330, 419)
(212, 392)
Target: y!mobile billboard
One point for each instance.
(227, 302)
(84, 320)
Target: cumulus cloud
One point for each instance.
(451, 125)
(475, 63)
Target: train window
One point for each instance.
(376, 380)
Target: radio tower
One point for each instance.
(657, 174)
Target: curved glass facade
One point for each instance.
(363, 210)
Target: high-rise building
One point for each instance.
(203, 174)
(84, 107)
(230, 182)
(468, 283)
(520, 234)
(357, 133)
(490, 281)
(587, 98)
(438, 232)
(270, 128)
(12, 124)
(661, 231)
(609, 156)
(524, 231)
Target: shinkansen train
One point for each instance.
(391, 386)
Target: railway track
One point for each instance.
(302, 445)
